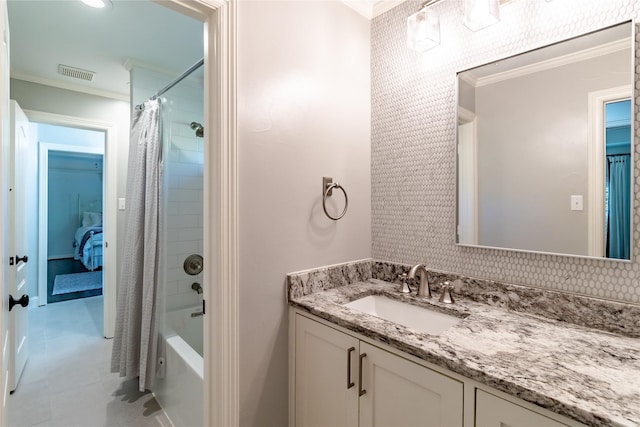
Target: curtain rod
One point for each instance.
(174, 82)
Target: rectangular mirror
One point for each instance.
(545, 149)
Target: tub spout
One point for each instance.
(197, 287)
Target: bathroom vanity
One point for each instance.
(494, 366)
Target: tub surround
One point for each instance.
(530, 343)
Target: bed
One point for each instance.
(88, 241)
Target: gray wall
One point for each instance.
(414, 133)
(532, 154)
(33, 96)
(303, 113)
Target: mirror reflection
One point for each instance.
(544, 149)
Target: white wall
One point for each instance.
(532, 154)
(33, 96)
(183, 178)
(303, 113)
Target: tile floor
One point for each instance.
(67, 381)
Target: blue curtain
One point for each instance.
(619, 206)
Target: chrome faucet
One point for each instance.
(423, 289)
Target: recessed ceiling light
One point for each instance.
(98, 4)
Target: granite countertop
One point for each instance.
(585, 374)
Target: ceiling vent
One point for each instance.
(76, 73)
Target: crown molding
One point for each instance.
(372, 8)
(69, 86)
(559, 61)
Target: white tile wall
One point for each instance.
(413, 142)
(182, 105)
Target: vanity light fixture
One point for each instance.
(97, 4)
(479, 14)
(423, 29)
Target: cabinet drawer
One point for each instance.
(492, 411)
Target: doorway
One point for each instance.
(93, 138)
(71, 196)
(219, 16)
(618, 179)
(70, 363)
(609, 149)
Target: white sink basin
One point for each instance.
(414, 317)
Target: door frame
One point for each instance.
(5, 137)
(467, 173)
(109, 206)
(221, 278)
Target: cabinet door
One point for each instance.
(492, 411)
(325, 395)
(402, 393)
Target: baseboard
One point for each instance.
(34, 302)
(59, 257)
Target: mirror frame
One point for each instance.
(634, 143)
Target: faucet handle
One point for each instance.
(446, 296)
(404, 288)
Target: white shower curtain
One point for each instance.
(136, 333)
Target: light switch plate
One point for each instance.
(121, 203)
(576, 203)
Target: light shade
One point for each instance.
(479, 14)
(98, 4)
(423, 30)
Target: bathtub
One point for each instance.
(179, 386)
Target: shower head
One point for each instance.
(198, 128)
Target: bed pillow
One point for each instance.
(91, 219)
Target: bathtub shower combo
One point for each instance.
(179, 376)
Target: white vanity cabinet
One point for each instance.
(342, 381)
(493, 411)
(339, 378)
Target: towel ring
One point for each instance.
(327, 192)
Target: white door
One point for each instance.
(400, 393)
(19, 252)
(326, 376)
(4, 208)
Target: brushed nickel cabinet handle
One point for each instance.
(349, 382)
(361, 391)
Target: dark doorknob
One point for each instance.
(23, 259)
(23, 301)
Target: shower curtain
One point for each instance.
(135, 339)
(619, 212)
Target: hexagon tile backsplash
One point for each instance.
(413, 142)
